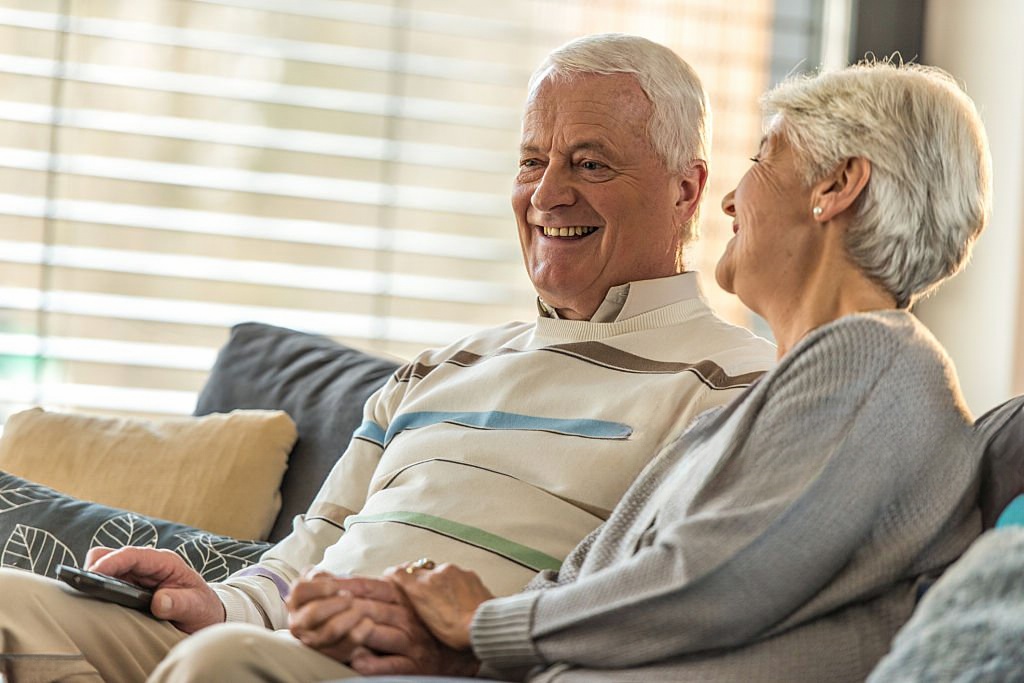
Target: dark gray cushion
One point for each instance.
(320, 383)
(41, 528)
(1001, 431)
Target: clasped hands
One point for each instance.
(413, 620)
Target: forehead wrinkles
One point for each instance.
(568, 111)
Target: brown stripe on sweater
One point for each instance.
(329, 512)
(421, 370)
(612, 358)
(461, 358)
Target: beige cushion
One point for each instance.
(219, 473)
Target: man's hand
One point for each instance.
(181, 596)
(445, 598)
(367, 624)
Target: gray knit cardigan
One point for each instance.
(782, 538)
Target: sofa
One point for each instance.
(322, 385)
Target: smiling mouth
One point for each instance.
(570, 232)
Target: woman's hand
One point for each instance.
(369, 625)
(338, 615)
(445, 598)
(180, 594)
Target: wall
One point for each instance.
(977, 315)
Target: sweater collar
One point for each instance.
(636, 298)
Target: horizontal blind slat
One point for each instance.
(97, 397)
(419, 108)
(353, 325)
(362, 13)
(241, 180)
(269, 273)
(260, 227)
(292, 140)
(178, 356)
(240, 44)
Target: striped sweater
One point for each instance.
(503, 450)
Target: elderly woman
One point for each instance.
(787, 536)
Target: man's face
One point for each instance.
(595, 205)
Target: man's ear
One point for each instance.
(838, 191)
(691, 184)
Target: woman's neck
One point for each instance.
(834, 290)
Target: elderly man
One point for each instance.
(499, 452)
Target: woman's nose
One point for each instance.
(729, 204)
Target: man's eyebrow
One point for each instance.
(583, 146)
(592, 146)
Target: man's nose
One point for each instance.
(554, 189)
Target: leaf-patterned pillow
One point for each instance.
(41, 528)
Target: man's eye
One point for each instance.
(591, 166)
(528, 163)
(756, 159)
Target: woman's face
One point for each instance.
(776, 242)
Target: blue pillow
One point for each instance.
(1013, 515)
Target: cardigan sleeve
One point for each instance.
(817, 461)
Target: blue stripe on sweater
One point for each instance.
(590, 429)
(371, 431)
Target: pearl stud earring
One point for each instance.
(816, 211)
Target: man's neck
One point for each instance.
(630, 299)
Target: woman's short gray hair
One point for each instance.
(929, 194)
(680, 125)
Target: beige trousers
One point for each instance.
(49, 632)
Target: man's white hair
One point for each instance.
(930, 191)
(679, 128)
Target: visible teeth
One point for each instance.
(575, 231)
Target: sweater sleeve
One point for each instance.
(256, 594)
(816, 461)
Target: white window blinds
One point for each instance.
(173, 167)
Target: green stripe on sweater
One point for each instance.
(521, 554)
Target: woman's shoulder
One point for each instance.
(874, 334)
(866, 348)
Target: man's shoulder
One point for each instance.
(481, 342)
(713, 338)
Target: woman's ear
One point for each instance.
(838, 191)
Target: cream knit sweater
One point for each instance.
(503, 450)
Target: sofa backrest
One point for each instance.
(320, 383)
(1001, 431)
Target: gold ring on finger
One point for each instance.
(422, 563)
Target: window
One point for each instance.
(171, 168)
